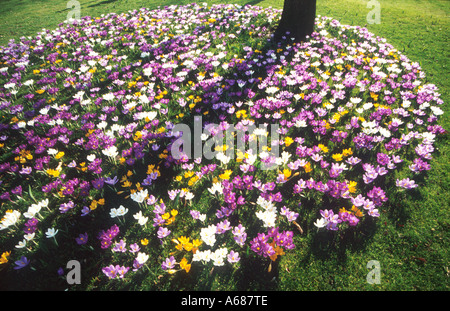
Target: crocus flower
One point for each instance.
(169, 263)
(82, 239)
(121, 211)
(51, 233)
(22, 263)
(134, 248)
(233, 257)
(163, 232)
(120, 247)
(110, 271)
(139, 196)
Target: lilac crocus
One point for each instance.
(26, 170)
(134, 248)
(112, 181)
(163, 232)
(223, 226)
(358, 200)
(290, 215)
(406, 183)
(195, 214)
(169, 263)
(110, 271)
(151, 200)
(120, 247)
(121, 271)
(85, 210)
(233, 257)
(65, 207)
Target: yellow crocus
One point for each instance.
(337, 157)
(352, 186)
(93, 205)
(188, 246)
(226, 174)
(287, 173)
(53, 173)
(288, 141)
(165, 216)
(323, 148)
(4, 257)
(356, 211)
(183, 240)
(184, 265)
(308, 167)
(59, 155)
(347, 152)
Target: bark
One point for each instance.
(297, 18)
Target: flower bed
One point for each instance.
(86, 135)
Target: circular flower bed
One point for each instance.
(88, 113)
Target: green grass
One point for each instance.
(410, 241)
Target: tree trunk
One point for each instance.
(298, 19)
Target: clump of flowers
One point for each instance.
(88, 113)
(273, 243)
(106, 237)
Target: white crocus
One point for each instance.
(110, 152)
(29, 236)
(142, 220)
(320, 223)
(91, 157)
(21, 244)
(139, 196)
(115, 212)
(9, 219)
(142, 258)
(32, 211)
(216, 187)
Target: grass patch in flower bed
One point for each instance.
(88, 112)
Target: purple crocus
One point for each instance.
(21, 263)
(5, 196)
(82, 239)
(98, 183)
(17, 190)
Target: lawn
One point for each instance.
(409, 240)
